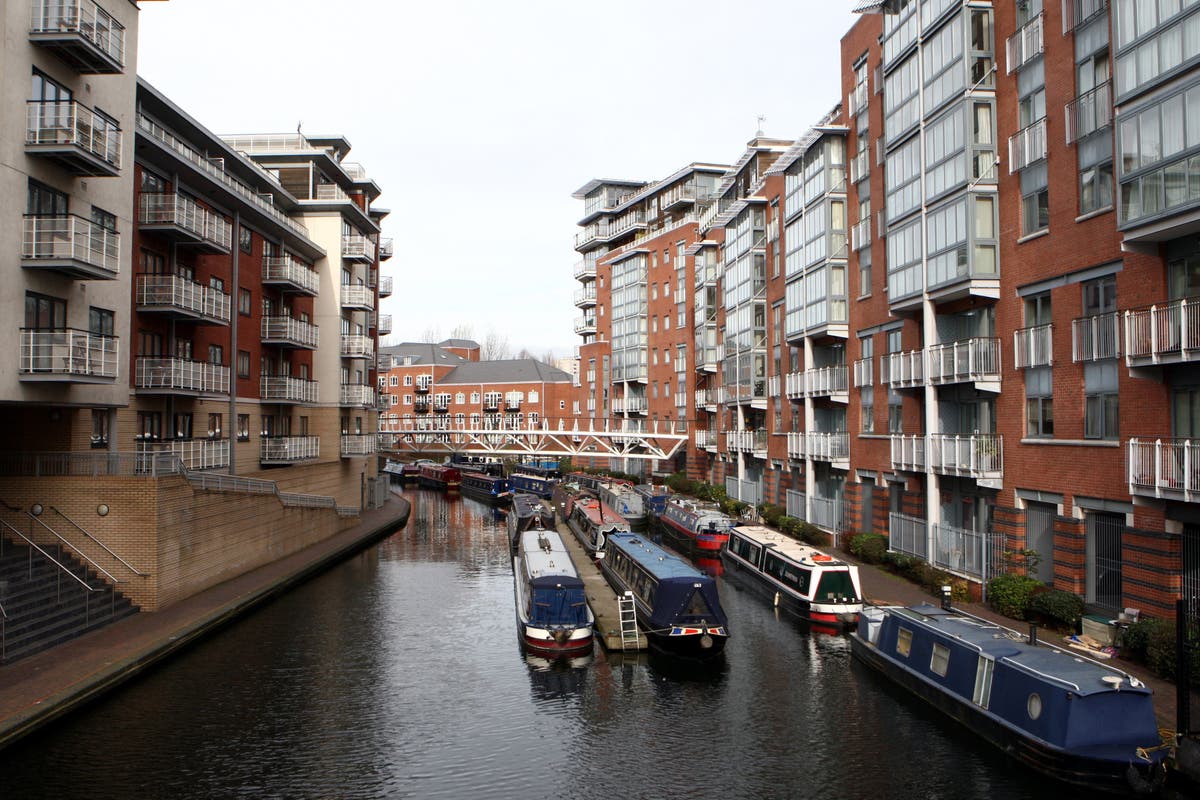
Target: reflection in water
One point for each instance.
(395, 675)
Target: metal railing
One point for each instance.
(1168, 331)
(796, 445)
(85, 18)
(903, 370)
(289, 448)
(1027, 146)
(1097, 337)
(384, 326)
(63, 542)
(172, 209)
(89, 464)
(1165, 468)
(353, 394)
(287, 389)
(828, 446)
(908, 452)
(823, 381)
(357, 346)
(173, 291)
(828, 513)
(216, 482)
(1089, 112)
(864, 372)
(586, 295)
(1077, 12)
(908, 534)
(964, 361)
(73, 124)
(387, 248)
(63, 569)
(978, 455)
(194, 453)
(330, 191)
(291, 330)
(289, 269)
(1026, 44)
(358, 444)
(1033, 346)
(154, 372)
(357, 296)
(355, 245)
(385, 286)
(68, 353)
(71, 238)
(961, 551)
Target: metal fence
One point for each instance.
(746, 491)
(89, 464)
(907, 534)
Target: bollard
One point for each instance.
(946, 590)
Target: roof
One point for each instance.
(469, 344)
(517, 370)
(659, 562)
(422, 353)
(596, 183)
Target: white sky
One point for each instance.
(478, 118)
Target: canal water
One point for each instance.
(398, 674)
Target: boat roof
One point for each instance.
(661, 563)
(790, 548)
(545, 555)
(597, 510)
(1083, 675)
(700, 508)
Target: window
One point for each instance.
(1039, 402)
(214, 426)
(408, 380)
(904, 642)
(216, 283)
(100, 320)
(393, 380)
(867, 394)
(149, 425)
(216, 354)
(939, 661)
(1101, 400)
(45, 313)
(243, 364)
(408, 399)
(104, 220)
(244, 302)
(99, 427)
(243, 427)
(153, 183)
(562, 404)
(47, 90)
(42, 201)
(245, 239)
(1035, 212)
(1096, 188)
(984, 670)
(152, 263)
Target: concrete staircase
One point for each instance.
(43, 605)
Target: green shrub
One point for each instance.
(771, 514)
(869, 547)
(900, 563)
(1056, 606)
(811, 534)
(1136, 639)
(1009, 594)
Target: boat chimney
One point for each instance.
(1033, 633)
(946, 590)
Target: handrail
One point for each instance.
(108, 550)
(52, 559)
(64, 541)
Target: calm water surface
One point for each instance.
(398, 674)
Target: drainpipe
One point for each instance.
(231, 426)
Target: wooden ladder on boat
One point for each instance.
(629, 630)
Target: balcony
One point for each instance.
(1089, 113)
(1027, 146)
(585, 297)
(702, 437)
(904, 370)
(1078, 12)
(421, 407)
(793, 385)
(290, 275)
(975, 361)
(1163, 334)
(184, 222)
(754, 442)
(706, 399)
(372, 277)
(357, 346)
(74, 136)
(288, 449)
(1167, 469)
(357, 298)
(590, 235)
(179, 297)
(422, 387)
(979, 456)
(797, 448)
(73, 246)
(352, 394)
(68, 356)
(1033, 346)
(632, 220)
(194, 453)
(356, 247)
(358, 444)
(288, 332)
(908, 452)
(1096, 338)
(1025, 45)
(629, 405)
(864, 372)
(585, 325)
(677, 196)
(833, 447)
(387, 249)
(828, 382)
(860, 234)
(179, 376)
(286, 389)
(385, 286)
(585, 270)
(384, 326)
(81, 33)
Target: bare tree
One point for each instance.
(463, 330)
(431, 335)
(524, 353)
(548, 357)
(495, 347)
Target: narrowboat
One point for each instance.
(620, 496)
(394, 470)
(553, 618)
(702, 524)
(541, 485)
(488, 488)
(654, 498)
(528, 512)
(677, 604)
(439, 476)
(1067, 716)
(814, 586)
(593, 522)
(484, 464)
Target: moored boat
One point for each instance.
(439, 476)
(802, 580)
(553, 617)
(528, 512)
(593, 522)
(677, 604)
(491, 489)
(394, 470)
(620, 495)
(654, 497)
(541, 485)
(1069, 717)
(702, 523)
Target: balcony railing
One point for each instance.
(357, 346)
(1166, 333)
(746, 441)
(68, 355)
(384, 326)
(171, 375)
(73, 245)
(826, 381)
(357, 247)
(1033, 346)
(1077, 12)
(289, 449)
(966, 361)
(962, 550)
(289, 332)
(385, 286)
(291, 273)
(864, 372)
(357, 297)
(352, 394)
(793, 385)
(833, 446)
(286, 389)
(194, 453)
(796, 445)
(1168, 469)
(358, 444)
(387, 248)
(585, 269)
(706, 398)
(903, 370)
(1025, 45)
(584, 325)
(83, 141)
(629, 405)
(1090, 112)
(1027, 146)
(1095, 338)
(81, 32)
(183, 219)
(979, 456)
(180, 296)
(860, 234)
(702, 437)
(586, 296)
(908, 452)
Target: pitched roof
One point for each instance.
(517, 370)
(419, 353)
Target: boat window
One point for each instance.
(1034, 706)
(698, 606)
(835, 585)
(787, 573)
(904, 641)
(939, 662)
(983, 681)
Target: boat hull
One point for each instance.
(704, 542)
(554, 643)
(799, 607)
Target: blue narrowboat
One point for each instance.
(528, 512)
(553, 618)
(1065, 715)
(677, 604)
(488, 488)
(654, 497)
(541, 485)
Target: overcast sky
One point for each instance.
(479, 118)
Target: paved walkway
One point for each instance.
(43, 687)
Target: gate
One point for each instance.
(1104, 533)
(1187, 631)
